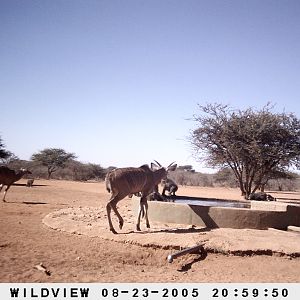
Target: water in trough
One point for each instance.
(210, 202)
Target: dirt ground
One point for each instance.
(25, 242)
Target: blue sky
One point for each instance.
(115, 81)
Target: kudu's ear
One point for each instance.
(172, 167)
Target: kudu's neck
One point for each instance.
(20, 174)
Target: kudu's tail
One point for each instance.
(142, 209)
(107, 183)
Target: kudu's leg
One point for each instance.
(121, 221)
(146, 213)
(173, 190)
(112, 205)
(138, 228)
(5, 193)
(143, 211)
(108, 210)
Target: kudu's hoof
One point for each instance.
(138, 228)
(113, 231)
(121, 225)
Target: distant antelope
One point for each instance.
(8, 177)
(170, 186)
(30, 182)
(125, 181)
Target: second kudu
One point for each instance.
(122, 182)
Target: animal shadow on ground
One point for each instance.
(127, 232)
(28, 202)
(34, 203)
(181, 230)
(40, 203)
(24, 184)
(184, 267)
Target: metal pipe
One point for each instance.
(197, 248)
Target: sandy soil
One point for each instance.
(25, 241)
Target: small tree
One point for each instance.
(252, 143)
(53, 159)
(3, 153)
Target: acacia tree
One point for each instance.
(53, 159)
(252, 143)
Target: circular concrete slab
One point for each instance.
(92, 221)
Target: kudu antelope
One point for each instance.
(122, 182)
(8, 177)
(170, 186)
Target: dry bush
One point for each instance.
(74, 170)
(284, 184)
(191, 178)
(78, 171)
(225, 178)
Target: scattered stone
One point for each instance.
(42, 268)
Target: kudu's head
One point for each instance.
(160, 173)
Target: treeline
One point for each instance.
(186, 176)
(73, 170)
(53, 163)
(57, 164)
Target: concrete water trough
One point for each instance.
(215, 213)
